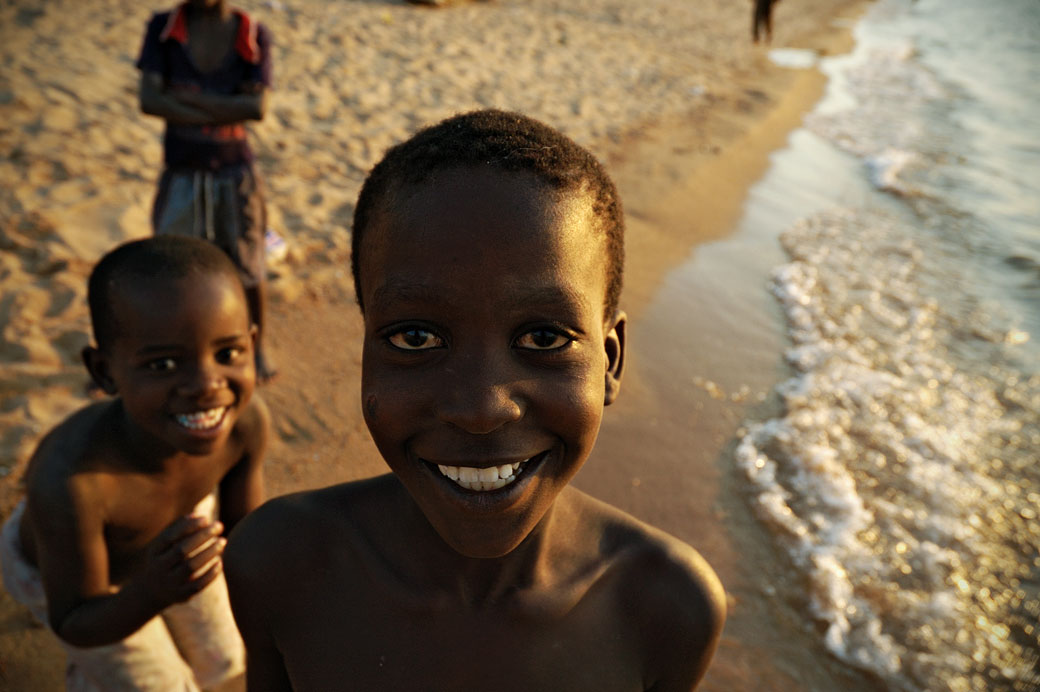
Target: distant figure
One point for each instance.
(487, 259)
(762, 20)
(205, 69)
(117, 545)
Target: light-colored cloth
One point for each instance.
(188, 646)
(225, 207)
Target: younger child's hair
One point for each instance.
(151, 259)
(507, 142)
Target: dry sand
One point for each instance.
(670, 93)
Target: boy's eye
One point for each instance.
(162, 365)
(229, 355)
(543, 340)
(415, 339)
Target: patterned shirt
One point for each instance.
(245, 69)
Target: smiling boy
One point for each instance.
(117, 546)
(487, 260)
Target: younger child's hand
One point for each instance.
(183, 559)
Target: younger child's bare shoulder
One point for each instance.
(72, 449)
(252, 425)
(70, 475)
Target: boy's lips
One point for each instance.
(202, 421)
(483, 479)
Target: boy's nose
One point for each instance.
(478, 402)
(202, 379)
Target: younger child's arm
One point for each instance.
(84, 608)
(242, 488)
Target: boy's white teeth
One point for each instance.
(202, 420)
(491, 478)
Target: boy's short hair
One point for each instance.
(152, 259)
(507, 142)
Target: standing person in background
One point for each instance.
(205, 69)
(762, 20)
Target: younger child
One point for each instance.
(118, 543)
(487, 263)
(205, 69)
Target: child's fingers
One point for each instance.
(202, 559)
(190, 544)
(200, 578)
(179, 529)
(209, 567)
(203, 577)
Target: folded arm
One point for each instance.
(199, 108)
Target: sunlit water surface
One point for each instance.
(902, 476)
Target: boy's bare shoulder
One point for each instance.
(305, 521)
(639, 546)
(672, 591)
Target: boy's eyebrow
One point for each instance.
(166, 348)
(397, 290)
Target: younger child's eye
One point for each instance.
(543, 340)
(415, 339)
(229, 355)
(162, 365)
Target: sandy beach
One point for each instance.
(671, 94)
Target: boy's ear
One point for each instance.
(97, 366)
(614, 345)
(254, 333)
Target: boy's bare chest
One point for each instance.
(209, 45)
(145, 505)
(589, 648)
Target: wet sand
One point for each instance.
(670, 94)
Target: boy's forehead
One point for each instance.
(490, 198)
(131, 285)
(487, 232)
(133, 298)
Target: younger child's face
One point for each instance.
(181, 360)
(487, 356)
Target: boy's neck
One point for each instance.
(216, 10)
(542, 572)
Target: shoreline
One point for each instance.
(680, 165)
(765, 645)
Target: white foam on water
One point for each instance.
(886, 170)
(879, 474)
(795, 58)
(902, 475)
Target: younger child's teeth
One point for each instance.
(202, 420)
(492, 478)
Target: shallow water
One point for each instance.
(901, 475)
